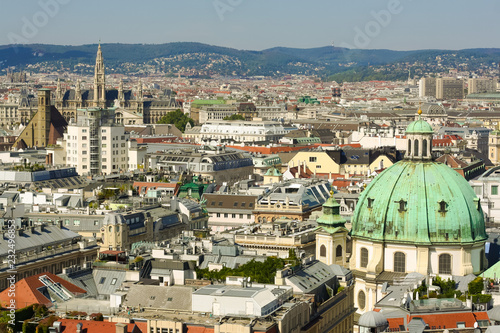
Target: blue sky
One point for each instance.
(256, 24)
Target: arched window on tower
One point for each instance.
(322, 251)
(444, 264)
(424, 147)
(416, 148)
(363, 260)
(399, 262)
(338, 251)
(409, 147)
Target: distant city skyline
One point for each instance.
(256, 24)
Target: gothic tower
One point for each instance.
(99, 81)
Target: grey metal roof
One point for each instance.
(105, 280)
(229, 261)
(82, 278)
(160, 297)
(36, 237)
(312, 276)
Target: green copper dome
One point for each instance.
(419, 126)
(419, 202)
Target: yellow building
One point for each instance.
(345, 161)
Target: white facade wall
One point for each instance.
(409, 251)
(456, 260)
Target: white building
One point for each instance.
(95, 143)
(486, 188)
(238, 131)
(239, 297)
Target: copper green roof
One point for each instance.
(419, 203)
(419, 126)
(273, 172)
(331, 215)
(493, 272)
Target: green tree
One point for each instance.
(178, 118)
(235, 116)
(476, 286)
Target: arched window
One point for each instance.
(416, 148)
(409, 146)
(364, 257)
(445, 264)
(399, 262)
(322, 251)
(424, 148)
(361, 300)
(338, 251)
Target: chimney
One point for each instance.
(57, 326)
(121, 328)
(79, 328)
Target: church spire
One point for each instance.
(99, 80)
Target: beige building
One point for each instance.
(494, 147)
(427, 86)
(476, 85)
(449, 88)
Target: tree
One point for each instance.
(176, 118)
(235, 116)
(476, 286)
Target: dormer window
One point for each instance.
(442, 206)
(402, 205)
(370, 202)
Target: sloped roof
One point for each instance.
(28, 290)
(92, 326)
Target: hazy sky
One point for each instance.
(256, 24)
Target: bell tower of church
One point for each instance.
(99, 81)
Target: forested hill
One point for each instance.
(196, 59)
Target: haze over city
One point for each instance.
(258, 24)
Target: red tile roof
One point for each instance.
(27, 292)
(92, 326)
(442, 320)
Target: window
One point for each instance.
(76, 222)
(442, 206)
(235, 203)
(66, 222)
(364, 257)
(338, 251)
(218, 214)
(226, 216)
(361, 299)
(101, 281)
(113, 282)
(416, 148)
(322, 251)
(313, 159)
(445, 264)
(370, 202)
(399, 262)
(494, 189)
(84, 152)
(233, 216)
(96, 222)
